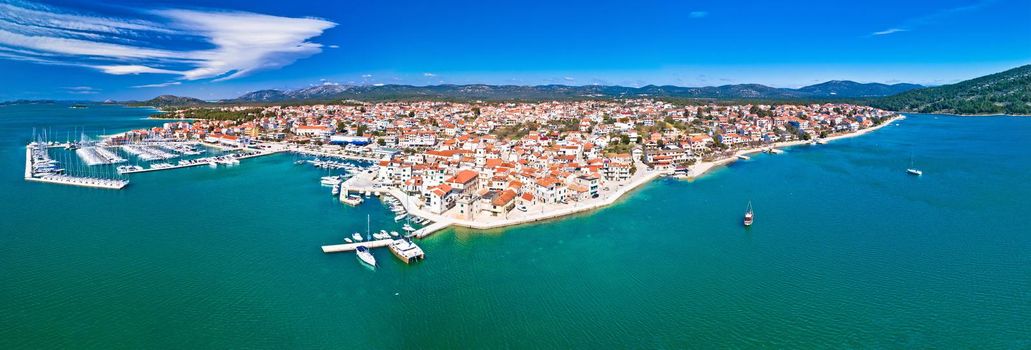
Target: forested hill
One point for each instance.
(1007, 92)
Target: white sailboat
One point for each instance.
(912, 170)
(749, 215)
(365, 255)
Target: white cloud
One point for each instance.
(158, 84)
(247, 42)
(81, 90)
(234, 44)
(937, 16)
(428, 75)
(697, 14)
(133, 69)
(888, 31)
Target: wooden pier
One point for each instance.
(405, 250)
(259, 154)
(347, 247)
(431, 229)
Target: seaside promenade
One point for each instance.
(534, 213)
(701, 168)
(541, 212)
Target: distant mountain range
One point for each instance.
(1006, 92)
(830, 89)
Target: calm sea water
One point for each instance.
(847, 251)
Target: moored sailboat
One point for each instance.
(749, 215)
(365, 255)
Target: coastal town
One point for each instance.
(476, 165)
(489, 162)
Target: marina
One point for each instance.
(98, 155)
(228, 160)
(39, 167)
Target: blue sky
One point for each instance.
(139, 49)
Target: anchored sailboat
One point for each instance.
(912, 170)
(749, 214)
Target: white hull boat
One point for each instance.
(365, 255)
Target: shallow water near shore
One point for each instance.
(847, 251)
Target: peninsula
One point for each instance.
(489, 165)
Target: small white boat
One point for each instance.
(821, 141)
(336, 189)
(394, 233)
(348, 240)
(812, 143)
(357, 237)
(408, 227)
(331, 180)
(912, 170)
(743, 157)
(400, 217)
(365, 255)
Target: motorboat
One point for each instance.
(331, 180)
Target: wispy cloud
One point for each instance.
(933, 17)
(81, 90)
(888, 31)
(697, 14)
(158, 85)
(165, 41)
(428, 74)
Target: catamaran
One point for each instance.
(749, 215)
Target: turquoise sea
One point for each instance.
(847, 251)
